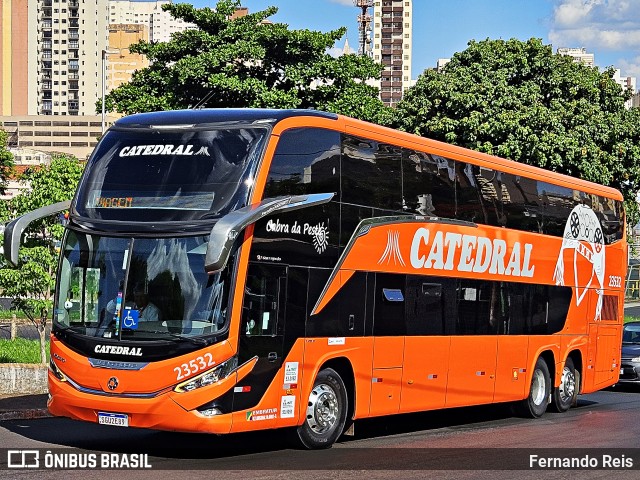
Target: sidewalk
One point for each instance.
(23, 407)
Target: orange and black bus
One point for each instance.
(236, 270)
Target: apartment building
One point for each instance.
(579, 55)
(161, 24)
(121, 63)
(50, 56)
(392, 46)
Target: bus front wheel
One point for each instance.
(537, 402)
(326, 411)
(565, 394)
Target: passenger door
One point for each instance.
(262, 330)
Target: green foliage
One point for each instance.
(6, 161)
(20, 350)
(246, 62)
(518, 100)
(31, 285)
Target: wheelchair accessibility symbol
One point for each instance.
(130, 318)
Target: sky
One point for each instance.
(610, 29)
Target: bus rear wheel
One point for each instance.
(565, 394)
(326, 412)
(537, 401)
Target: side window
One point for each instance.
(476, 303)
(611, 216)
(263, 305)
(559, 303)
(492, 192)
(350, 217)
(469, 205)
(371, 174)
(389, 308)
(424, 306)
(522, 203)
(306, 160)
(557, 205)
(344, 314)
(419, 180)
(518, 308)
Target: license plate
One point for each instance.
(116, 419)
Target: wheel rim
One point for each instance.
(538, 388)
(567, 385)
(322, 409)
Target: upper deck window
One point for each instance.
(170, 175)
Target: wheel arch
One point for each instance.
(576, 357)
(344, 368)
(549, 358)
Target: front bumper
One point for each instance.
(161, 412)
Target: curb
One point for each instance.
(24, 414)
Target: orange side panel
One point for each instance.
(607, 356)
(472, 369)
(388, 352)
(425, 371)
(385, 391)
(511, 370)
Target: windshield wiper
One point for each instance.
(177, 336)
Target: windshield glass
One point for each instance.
(631, 334)
(140, 289)
(168, 175)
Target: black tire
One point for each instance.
(564, 395)
(326, 411)
(537, 401)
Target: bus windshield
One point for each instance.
(139, 288)
(155, 174)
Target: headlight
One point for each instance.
(210, 376)
(635, 359)
(56, 371)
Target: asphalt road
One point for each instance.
(479, 442)
(632, 310)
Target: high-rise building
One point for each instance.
(392, 45)
(50, 57)
(121, 63)
(627, 83)
(579, 55)
(160, 23)
(15, 89)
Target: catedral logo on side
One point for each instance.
(470, 253)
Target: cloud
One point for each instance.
(596, 24)
(629, 68)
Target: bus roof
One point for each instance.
(215, 115)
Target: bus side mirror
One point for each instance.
(15, 228)
(227, 229)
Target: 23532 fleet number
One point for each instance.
(194, 366)
(615, 281)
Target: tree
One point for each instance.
(247, 62)
(32, 284)
(6, 161)
(518, 100)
